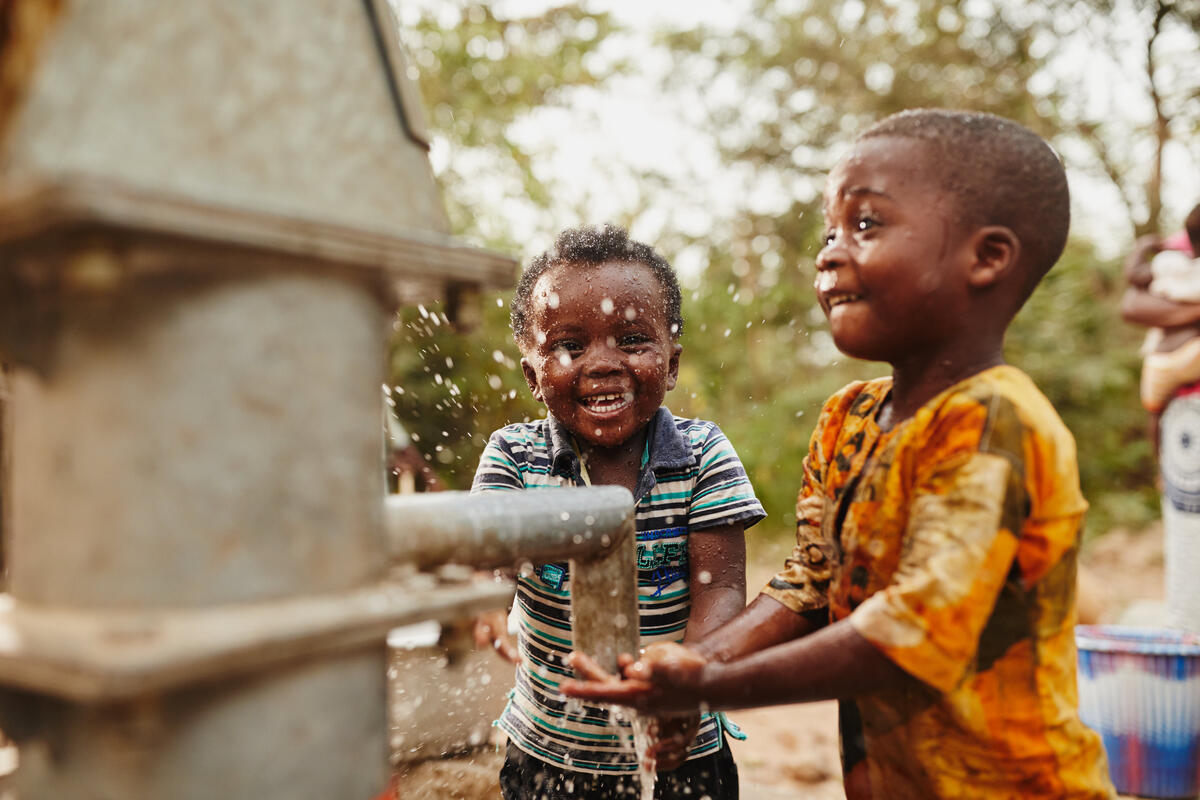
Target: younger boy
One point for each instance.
(932, 587)
(597, 320)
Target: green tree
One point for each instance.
(1126, 128)
(479, 74)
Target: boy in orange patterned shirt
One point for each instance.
(932, 586)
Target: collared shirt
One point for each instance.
(691, 480)
(950, 543)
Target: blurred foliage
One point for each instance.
(1157, 40)
(784, 92)
(479, 73)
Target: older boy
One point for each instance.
(932, 584)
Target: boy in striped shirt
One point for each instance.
(598, 320)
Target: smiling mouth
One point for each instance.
(842, 299)
(607, 403)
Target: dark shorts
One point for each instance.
(524, 777)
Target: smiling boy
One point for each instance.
(598, 320)
(932, 586)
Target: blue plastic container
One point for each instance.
(1139, 688)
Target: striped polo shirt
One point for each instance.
(691, 479)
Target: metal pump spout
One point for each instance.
(593, 527)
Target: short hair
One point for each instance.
(591, 246)
(1000, 173)
(1192, 225)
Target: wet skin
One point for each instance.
(600, 353)
(902, 280)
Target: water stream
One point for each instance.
(637, 737)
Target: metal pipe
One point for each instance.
(495, 529)
(593, 527)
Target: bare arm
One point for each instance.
(717, 585)
(1140, 307)
(834, 662)
(717, 564)
(1137, 266)
(763, 623)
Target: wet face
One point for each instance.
(892, 275)
(599, 351)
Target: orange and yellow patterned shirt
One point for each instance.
(950, 543)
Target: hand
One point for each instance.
(669, 677)
(491, 630)
(670, 737)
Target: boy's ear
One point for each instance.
(673, 366)
(996, 250)
(531, 380)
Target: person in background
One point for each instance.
(1164, 295)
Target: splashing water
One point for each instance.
(635, 734)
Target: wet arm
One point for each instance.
(717, 581)
(763, 623)
(831, 663)
(834, 662)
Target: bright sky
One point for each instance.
(596, 147)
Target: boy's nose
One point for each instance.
(832, 255)
(601, 359)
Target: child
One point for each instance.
(932, 586)
(597, 320)
(1172, 353)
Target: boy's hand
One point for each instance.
(491, 630)
(667, 678)
(670, 737)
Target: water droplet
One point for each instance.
(630, 313)
(541, 337)
(553, 300)
(606, 305)
(564, 359)
(705, 577)
(564, 516)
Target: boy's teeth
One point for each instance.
(605, 399)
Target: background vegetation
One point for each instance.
(780, 92)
